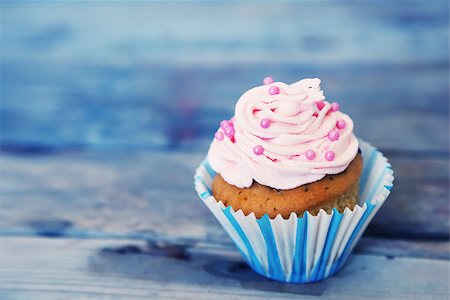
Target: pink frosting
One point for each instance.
(296, 126)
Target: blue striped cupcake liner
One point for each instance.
(308, 248)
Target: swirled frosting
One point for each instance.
(302, 138)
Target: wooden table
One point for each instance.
(107, 109)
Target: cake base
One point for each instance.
(333, 191)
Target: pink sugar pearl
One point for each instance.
(329, 155)
(218, 136)
(310, 154)
(265, 123)
(268, 80)
(334, 106)
(258, 150)
(224, 124)
(340, 124)
(229, 131)
(274, 90)
(333, 135)
(320, 104)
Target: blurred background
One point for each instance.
(123, 76)
(102, 81)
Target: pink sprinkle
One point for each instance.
(274, 90)
(268, 80)
(219, 135)
(224, 124)
(258, 150)
(333, 135)
(229, 131)
(340, 124)
(334, 106)
(329, 155)
(310, 154)
(265, 123)
(320, 104)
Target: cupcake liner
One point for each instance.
(308, 248)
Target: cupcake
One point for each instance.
(287, 181)
(286, 150)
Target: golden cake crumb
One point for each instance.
(333, 191)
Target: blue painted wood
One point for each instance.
(162, 76)
(129, 269)
(96, 85)
(135, 193)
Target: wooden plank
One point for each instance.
(405, 118)
(420, 196)
(102, 269)
(398, 247)
(168, 76)
(186, 31)
(128, 193)
(135, 194)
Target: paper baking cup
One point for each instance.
(309, 248)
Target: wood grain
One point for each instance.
(166, 77)
(104, 269)
(129, 193)
(107, 108)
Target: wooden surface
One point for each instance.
(110, 269)
(107, 108)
